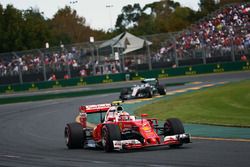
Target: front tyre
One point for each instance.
(74, 136)
(149, 93)
(124, 93)
(110, 132)
(173, 126)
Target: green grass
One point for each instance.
(56, 96)
(227, 105)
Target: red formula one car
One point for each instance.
(118, 130)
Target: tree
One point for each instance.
(129, 17)
(63, 25)
(146, 25)
(151, 19)
(12, 28)
(163, 8)
(68, 27)
(161, 11)
(28, 29)
(35, 29)
(179, 19)
(1, 28)
(208, 6)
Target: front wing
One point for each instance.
(136, 144)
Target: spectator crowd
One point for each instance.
(226, 29)
(33, 63)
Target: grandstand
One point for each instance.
(223, 36)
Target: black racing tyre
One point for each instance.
(74, 136)
(161, 90)
(110, 132)
(124, 92)
(173, 126)
(122, 97)
(148, 92)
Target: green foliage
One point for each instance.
(179, 19)
(208, 6)
(1, 27)
(146, 25)
(157, 17)
(129, 16)
(12, 28)
(35, 29)
(28, 29)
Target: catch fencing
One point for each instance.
(88, 59)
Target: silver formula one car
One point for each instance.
(147, 89)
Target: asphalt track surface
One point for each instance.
(217, 77)
(32, 135)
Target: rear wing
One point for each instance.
(97, 108)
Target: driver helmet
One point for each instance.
(124, 116)
(119, 108)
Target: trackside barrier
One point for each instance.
(159, 73)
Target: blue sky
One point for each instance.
(96, 13)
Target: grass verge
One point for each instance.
(56, 96)
(227, 105)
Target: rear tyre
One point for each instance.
(161, 90)
(74, 136)
(173, 126)
(110, 132)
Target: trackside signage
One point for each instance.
(157, 73)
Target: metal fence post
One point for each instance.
(19, 69)
(44, 65)
(121, 56)
(93, 58)
(65, 51)
(233, 50)
(149, 55)
(175, 53)
(203, 51)
(97, 53)
(123, 62)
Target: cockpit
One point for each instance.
(117, 113)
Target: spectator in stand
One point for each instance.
(243, 58)
(83, 73)
(66, 76)
(3, 69)
(74, 64)
(52, 77)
